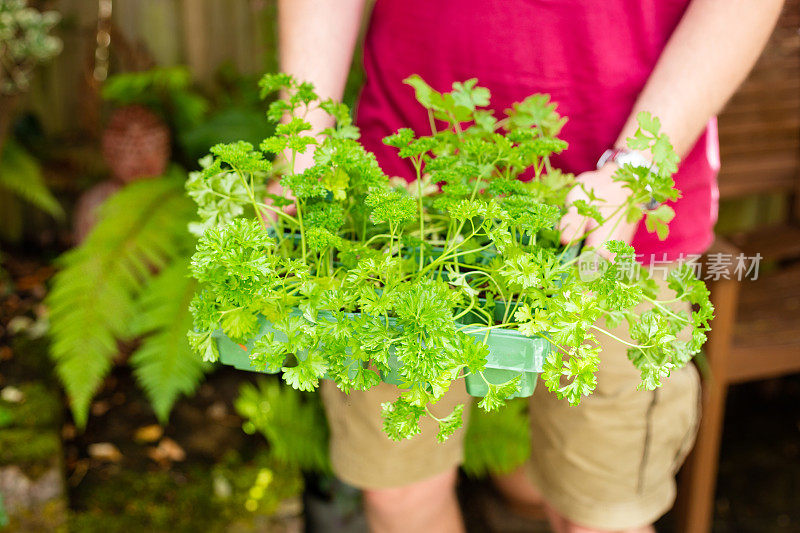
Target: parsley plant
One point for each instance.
(366, 279)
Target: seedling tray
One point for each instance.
(237, 355)
(510, 354)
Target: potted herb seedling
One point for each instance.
(421, 286)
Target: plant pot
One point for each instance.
(237, 355)
(510, 354)
(136, 144)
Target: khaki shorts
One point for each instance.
(608, 463)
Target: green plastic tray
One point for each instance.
(510, 354)
(238, 355)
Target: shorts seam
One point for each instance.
(647, 442)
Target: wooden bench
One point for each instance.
(756, 332)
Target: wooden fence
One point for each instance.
(202, 34)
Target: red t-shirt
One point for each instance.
(592, 56)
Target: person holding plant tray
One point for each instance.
(401, 302)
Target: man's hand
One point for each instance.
(612, 195)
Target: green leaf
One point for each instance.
(21, 174)
(94, 297)
(658, 220)
(271, 83)
(241, 156)
(401, 419)
(239, 323)
(390, 206)
(164, 364)
(305, 376)
(425, 94)
(451, 423)
(268, 354)
(337, 182)
(470, 96)
(498, 394)
(204, 344)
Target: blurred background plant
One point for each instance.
(25, 43)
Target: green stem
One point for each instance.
(432, 121)
(473, 329)
(417, 168)
(299, 207)
(639, 346)
(666, 309)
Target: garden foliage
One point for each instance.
(21, 174)
(25, 41)
(128, 280)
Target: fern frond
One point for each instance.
(292, 421)
(498, 441)
(165, 365)
(21, 174)
(93, 298)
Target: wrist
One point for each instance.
(621, 156)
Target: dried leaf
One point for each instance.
(149, 433)
(105, 451)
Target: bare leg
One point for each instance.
(520, 494)
(428, 505)
(519, 491)
(516, 485)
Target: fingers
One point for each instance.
(572, 227)
(275, 188)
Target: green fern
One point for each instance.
(292, 421)
(94, 298)
(498, 441)
(165, 365)
(21, 174)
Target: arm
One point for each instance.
(711, 51)
(316, 39)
